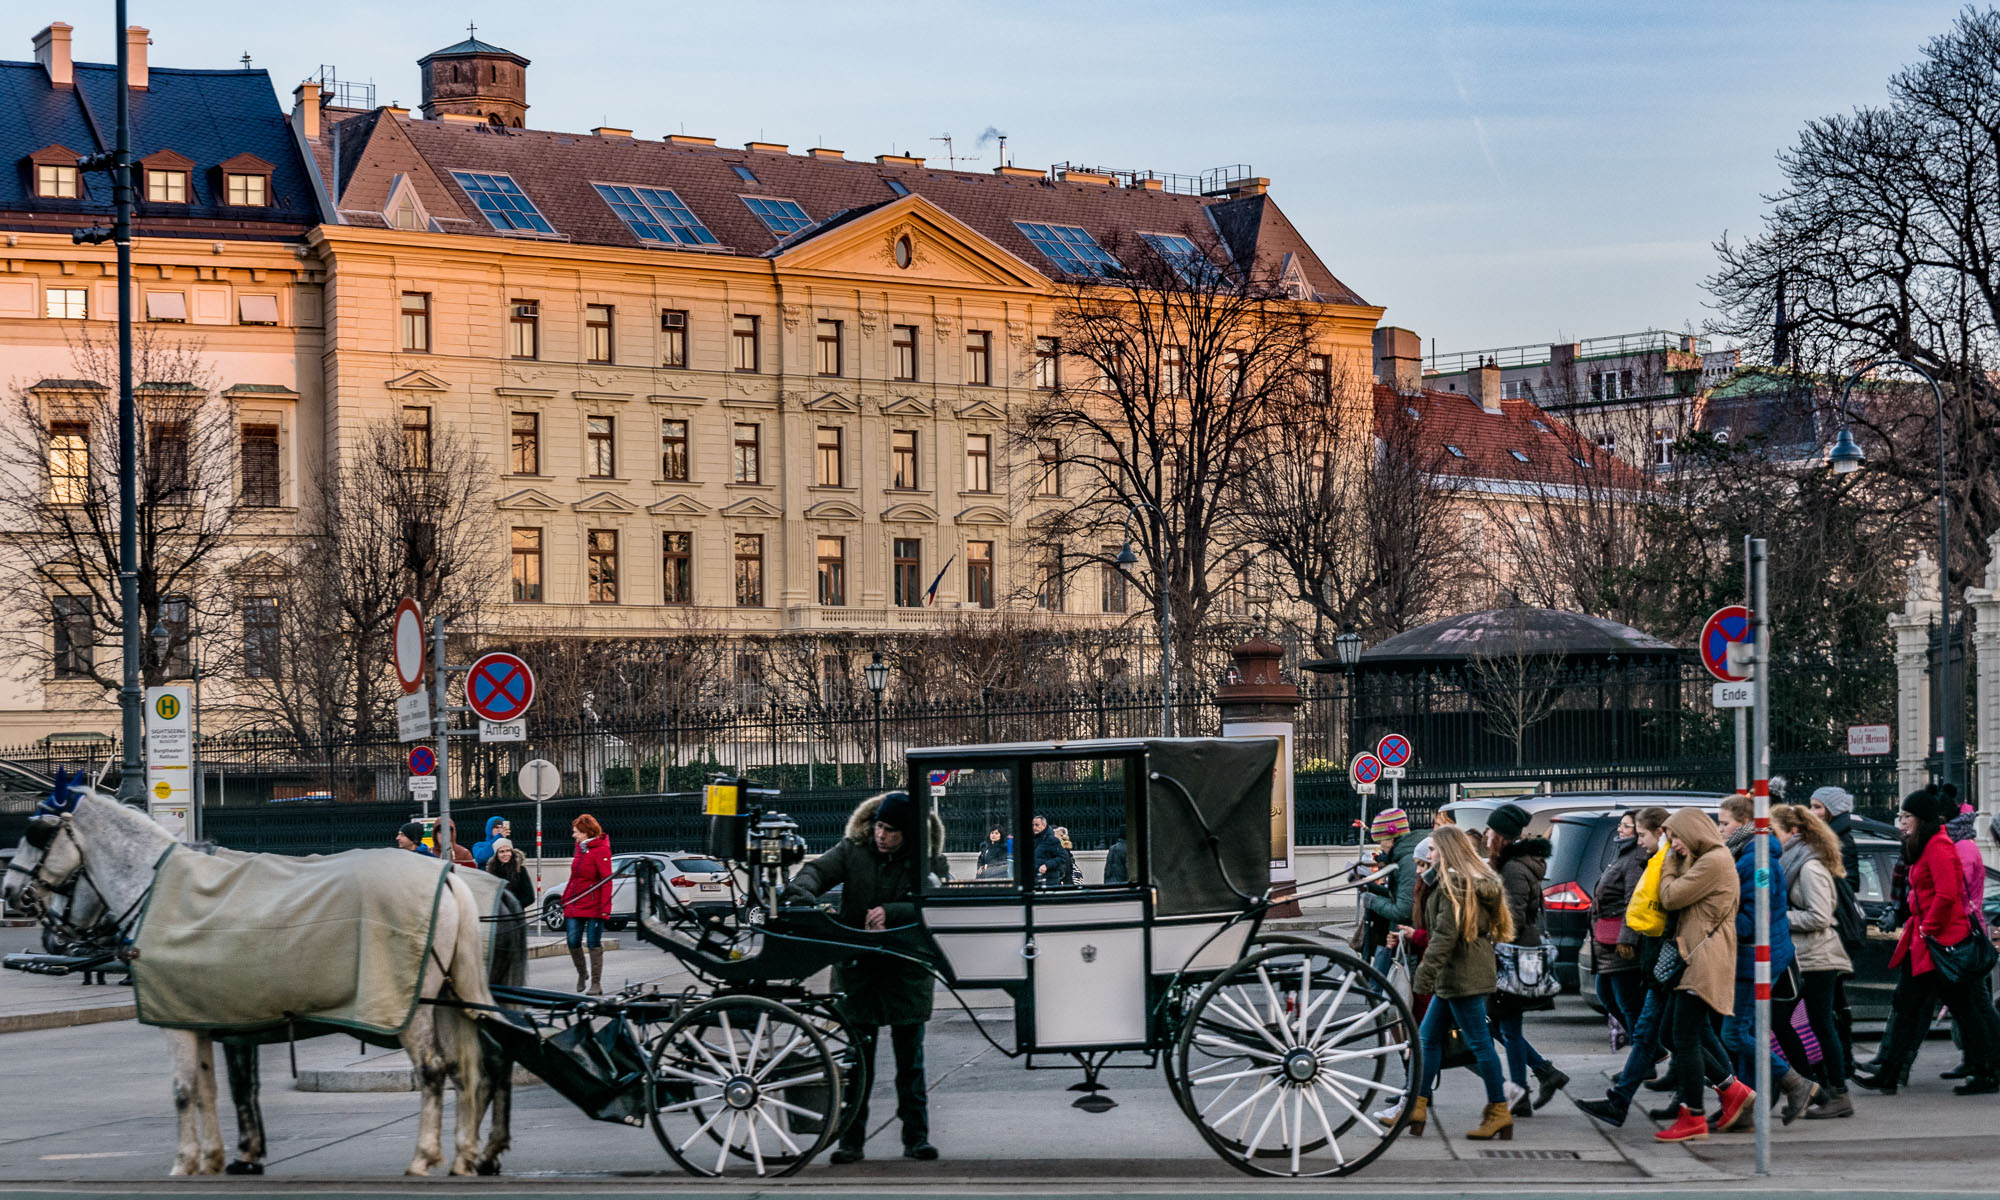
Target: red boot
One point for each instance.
(1736, 1098)
(1691, 1126)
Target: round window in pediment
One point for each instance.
(904, 252)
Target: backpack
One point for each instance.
(1848, 919)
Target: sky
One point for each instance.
(1492, 174)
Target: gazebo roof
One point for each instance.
(1505, 632)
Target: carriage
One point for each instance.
(1287, 1052)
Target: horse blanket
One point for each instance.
(235, 942)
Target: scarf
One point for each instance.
(1962, 827)
(1793, 863)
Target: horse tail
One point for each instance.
(467, 971)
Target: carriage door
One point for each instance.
(1087, 935)
(977, 917)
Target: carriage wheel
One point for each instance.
(857, 1075)
(743, 1085)
(1281, 1060)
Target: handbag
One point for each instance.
(1848, 919)
(1606, 930)
(1669, 966)
(1643, 912)
(1527, 972)
(1970, 959)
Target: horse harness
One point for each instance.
(67, 888)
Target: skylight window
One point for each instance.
(655, 215)
(1518, 456)
(505, 206)
(1455, 451)
(896, 186)
(1583, 462)
(1184, 257)
(782, 217)
(1539, 427)
(1414, 414)
(743, 173)
(1070, 248)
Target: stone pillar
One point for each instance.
(1258, 701)
(1985, 605)
(1913, 691)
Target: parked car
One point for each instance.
(694, 880)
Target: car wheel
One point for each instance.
(552, 915)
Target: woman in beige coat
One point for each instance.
(1810, 864)
(1698, 886)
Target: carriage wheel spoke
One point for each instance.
(1251, 1099)
(1339, 998)
(1234, 1047)
(729, 1139)
(756, 1146)
(1276, 1108)
(1305, 1006)
(756, 1040)
(729, 1041)
(771, 1063)
(1331, 1055)
(1249, 1020)
(1339, 1094)
(705, 1126)
(1326, 1126)
(778, 1128)
(1233, 1075)
(1219, 1098)
(1298, 1125)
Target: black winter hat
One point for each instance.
(1509, 821)
(413, 831)
(898, 811)
(1932, 803)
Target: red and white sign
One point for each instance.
(1727, 627)
(407, 633)
(499, 687)
(1393, 750)
(1869, 739)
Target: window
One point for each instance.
(1412, 413)
(832, 555)
(655, 215)
(749, 570)
(674, 450)
(1663, 448)
(1232, 373)
(55, 182)
(527, 552)
(1186, 258)
(748, 464)
(597, 333)
(1053, 593)
(743, 173)
(416, 439)
(260, 628)
(978, 357)
(1111, 583)
(828, 345)
(600, 442)
(167, 461)
(674, 333)
(174, 618)
(69, 462)
(1173, 372)
(1472, 530)
(826, 457)
(75, 636)
(903, 459)
(979, 573)
(260, 466)
(505, 206)
(1048, 363)
(66, 303)
(417, 321)
(167, 187)
(249, 191)
(1049, 481)
(908, 579)
(676, 568)
(1319, 376)
(1454, 451)
(904, 339)
(1608, 442)
(603, 578)
(782, 217)
(256, 310)
(524, 329)
(1539, 426)
(525, 452)
(1518, 456)
(166, 306)
(743, 334)
(1070, 248)
(896, 186)
(978, 462)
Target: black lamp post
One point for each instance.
(1347, 647)
(877, 674)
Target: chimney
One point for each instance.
(1482, 383)
(1399, 359)
(136, 40)
(610, 131)
(1691, 343)
(52, 51)
(305, 109)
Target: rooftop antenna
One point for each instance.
(951, 157)
(246, 60)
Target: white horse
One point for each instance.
(97, 845)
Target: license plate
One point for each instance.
(711, 887)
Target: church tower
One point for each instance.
(474, 78)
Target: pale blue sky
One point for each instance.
(1492, 173)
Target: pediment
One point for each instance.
(943, 249)
(981, 410)
(837, 510)
(417, 381)
(680, 504)
(832, 402)
(982, 514)
(533, 500)
(753, 506)
(911, 511)
(907, 406)
(262, 564)
(604, 502)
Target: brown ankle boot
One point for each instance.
(1420, 1112)
(597, 972)
(1494, 1122)
(582, 969)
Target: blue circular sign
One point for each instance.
(1393, 750)
(423, 760)
(1727, 626)
(499, 687)
(1366, 768)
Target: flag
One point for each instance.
(930, 594)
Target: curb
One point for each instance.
(63, 1018)
(557, 948)
(382, 1074)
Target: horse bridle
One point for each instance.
(66, 887)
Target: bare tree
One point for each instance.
(60, 464)
(1517, 687)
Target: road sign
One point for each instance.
(1869, 739)
(1735, 695)
(169, 758)
(940, 778)
(1393, 772)
(423, 787)
(413, 717)
(1393, 750)
(407, 633)
(499, 687)
(1365, 770)
(503, 731)
(540, 780)
(423, 760)
(1728, 626)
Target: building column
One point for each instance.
(1985, 605)
(1913, 714)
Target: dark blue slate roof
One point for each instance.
(205, 116)
(469, 47)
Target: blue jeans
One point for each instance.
(1739, 1036)
(1621, 994)
(1645, 1031)
(1520, 1055)
(584, 931)
(1469, 1014)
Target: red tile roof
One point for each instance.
(1486, 442)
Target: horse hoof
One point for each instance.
(489, 1166)
(240, 1167)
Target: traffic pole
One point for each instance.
(440, 684)
(1760, 798)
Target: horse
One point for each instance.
(88, 854)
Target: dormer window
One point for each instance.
(55, 182)
(166, 187)
(246, 182)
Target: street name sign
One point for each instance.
(413, 717)
(1869, 739)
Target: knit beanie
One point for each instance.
(413, 831)
(500, 844)
(899, 812)
(1836, 800)
(1389, 823)
(1932, 803)
(1509, 820)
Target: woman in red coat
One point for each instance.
(1938, 919)
(586, 901)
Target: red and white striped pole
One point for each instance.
(1760, 798)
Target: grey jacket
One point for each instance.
(1810, 897)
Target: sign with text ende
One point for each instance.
(1735, 695)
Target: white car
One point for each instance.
(694, 879)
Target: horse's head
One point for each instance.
(48, 859)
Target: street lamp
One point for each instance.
(1128, 561)
(1347, 647)
(1846, 457)
(877, 674)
